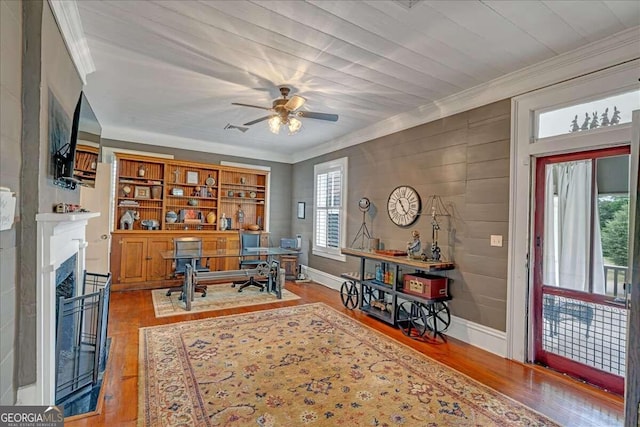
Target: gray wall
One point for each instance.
(465, 160)
(280, 219)
(46, 66)
(10, 136)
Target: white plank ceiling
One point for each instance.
(171, 69)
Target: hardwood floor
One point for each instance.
(568, 402)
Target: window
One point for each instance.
(329, 216)
(602, 112)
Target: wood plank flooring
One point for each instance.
(569, 402)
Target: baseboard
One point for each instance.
(489, 339)
(480, 336)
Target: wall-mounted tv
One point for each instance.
(87, 145)
(62, 142)
(75, 150)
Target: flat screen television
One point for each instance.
(75, 157)
(63, 148)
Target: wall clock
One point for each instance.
(404, 206)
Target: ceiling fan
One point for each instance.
(286, 113)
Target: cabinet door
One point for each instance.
(212, 244)
(231, 263)
(132, 261)
(157, 267)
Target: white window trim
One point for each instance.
(319, 168)
(524, 150)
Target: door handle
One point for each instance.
(104, 236)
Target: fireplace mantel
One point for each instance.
(60, 236)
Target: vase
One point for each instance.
(156, 192)
(211, 218)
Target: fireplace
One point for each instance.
(66, 280)
(60, 237)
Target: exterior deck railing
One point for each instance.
(615, 277)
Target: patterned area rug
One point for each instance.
(305, 365)
(219, 297)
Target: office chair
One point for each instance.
(192, 248)
(250, 239)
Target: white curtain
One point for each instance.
(567, 234)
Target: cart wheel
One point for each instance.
(411, 318)
(349, 294)
(438, 320)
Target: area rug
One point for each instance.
(219, 297)
(305, 365)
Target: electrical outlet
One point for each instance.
(496, 240)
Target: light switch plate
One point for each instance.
(496, 240)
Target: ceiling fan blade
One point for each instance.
(252, 106)
(253, 122)
(294, 103)
(319, 116)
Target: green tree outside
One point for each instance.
(614, 223)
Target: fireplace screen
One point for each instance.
(81, 336)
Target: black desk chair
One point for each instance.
(250, 239)
(190, 248)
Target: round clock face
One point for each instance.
(404, 206)
(364, 204)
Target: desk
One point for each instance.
(193, 278)
(415, 315)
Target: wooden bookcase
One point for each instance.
(198, 194)
(139, 188)
(86, 162)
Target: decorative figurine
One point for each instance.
(175, 175)
(604, 119)
(414, 247)
(615, 119)
(585, 124)
(594, 121)
(141, 171)
(127, 219)
(574, 124)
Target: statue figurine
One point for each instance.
(604, 119)
(615, 119)
(574, 124)
(585, 124)
(414, 246)
(594, 121)
(128, 218)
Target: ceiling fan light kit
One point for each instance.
(286, 114)
(276, 122)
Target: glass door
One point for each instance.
(580, 265)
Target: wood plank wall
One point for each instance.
(462, 158)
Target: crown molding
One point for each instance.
(68, 19)
(614, 50)
(171, 141)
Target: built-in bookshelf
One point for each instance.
(158, 194)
